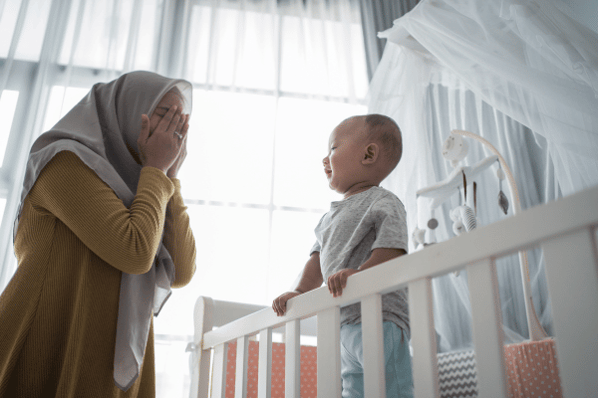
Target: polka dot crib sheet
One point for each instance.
(531, 368)
(309, 371)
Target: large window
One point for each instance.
(271, 80)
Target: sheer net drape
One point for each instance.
(377, 16)
(524, 76)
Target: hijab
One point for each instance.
(102, 130)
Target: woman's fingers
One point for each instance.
(143, 136)
(145, 128)
(169, 121)
(181, 125)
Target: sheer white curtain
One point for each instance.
(271, 79)
(51, 53)
(524, 76)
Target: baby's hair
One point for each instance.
(386, 132)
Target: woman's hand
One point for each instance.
(174, 169)
(163, 146)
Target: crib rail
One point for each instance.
(566, 230)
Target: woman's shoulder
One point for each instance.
(64, 172)
(62, 166)
(65, 159)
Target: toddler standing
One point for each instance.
(366, 228)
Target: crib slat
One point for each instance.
(572, 274)
(292, 383)
(487, 328)
(423, 339)
(219, 371)
(329, 353)
(373, 347)
(241, 367)
(264, 375)
(203, 380)
(203, 318)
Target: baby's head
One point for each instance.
(363, 150)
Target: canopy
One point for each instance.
(521, 74)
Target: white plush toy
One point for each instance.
(464, 219)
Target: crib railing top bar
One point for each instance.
(227, 311)
(529, 228)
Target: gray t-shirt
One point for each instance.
(346, 236)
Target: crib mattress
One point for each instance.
(309, 372)
(531, 368)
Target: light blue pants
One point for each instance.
(399, 380)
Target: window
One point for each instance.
(271, 80)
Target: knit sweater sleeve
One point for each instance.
(127, 239)
(178, 238)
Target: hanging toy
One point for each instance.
(503, 202)
(432, 225)
(464, 186)
(454, 149)
(419, 236)
(475, 198)
(464, 220)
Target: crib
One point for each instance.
(564, 229)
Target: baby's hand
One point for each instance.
(279, 305)
(337, 282)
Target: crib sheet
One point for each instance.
(309, 371)
(532, 371)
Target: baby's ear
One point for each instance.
(371, 153)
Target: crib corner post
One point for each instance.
(203, 318)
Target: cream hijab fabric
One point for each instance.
(102, 130)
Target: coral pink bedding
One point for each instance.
(531, 367)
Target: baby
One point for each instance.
(366, 228)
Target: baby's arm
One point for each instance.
(311, 278)
(338, 281)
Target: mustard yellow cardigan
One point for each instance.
(58, 313)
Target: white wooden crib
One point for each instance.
(566, 231)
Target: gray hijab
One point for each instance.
(102, 130)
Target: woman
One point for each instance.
(101, 236)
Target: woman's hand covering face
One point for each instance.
(162, 140)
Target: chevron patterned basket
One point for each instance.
(457, 374)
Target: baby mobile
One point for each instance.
(464, 218)
(460, 180)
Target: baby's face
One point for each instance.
(343, 164)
